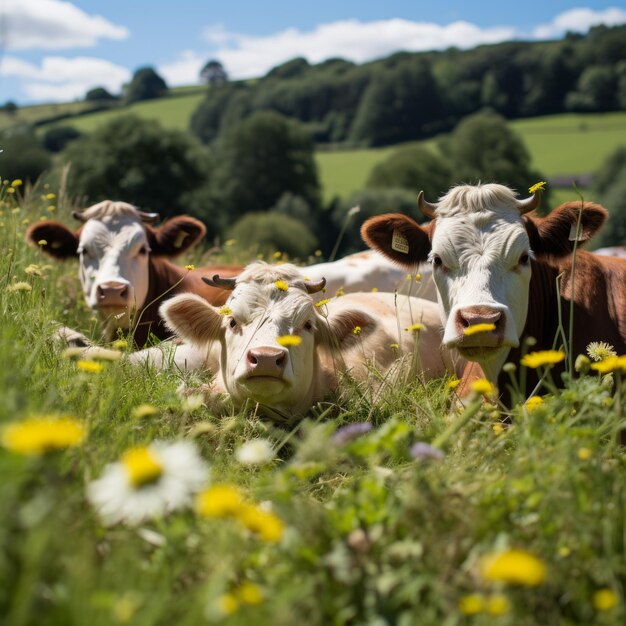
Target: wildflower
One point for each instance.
(33, 270)
(478, 328)
(318, 253)
(17, 182)
(42, 242)
(219, 501)
(281, 285)
(584, 454)
(20, 286)
(414, 328)
(534, 402)
(192, 402)
(537, 187)
(288, 340)
(422, 451)
(582, 364)
(277, 254)
(498, 604)
(143, 410)
(347, 433)
(51, 208)
(340, 292)
(89, 366)
(515, 567)
(374, 289)
(453, 383)
(497, 428)
(357, 330)
(39, 435)
(610, 364)
(249, 593)
(322, 303)
(225, 310)
(190, 267)
(266, 525)
(120, 344)
(354, 210)
(604, 599)
(255, 452)
(564, 552)
(471, 604)
(50, 196)
(227, 604)
(230, 242)
(148, 482)
(483, 387)
(598, 350)
(10, 190)
(543, 357)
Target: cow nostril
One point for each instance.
(124, 292)
(252, 359)
(280, 361)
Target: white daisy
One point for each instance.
(148, 482)
(255, 452)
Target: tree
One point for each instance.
(146, 84)
(99, 94)
(609, 188)
(206, 120)
(412, 168)
(56, 138)
(259, 160)
(9, 107)
(595, 90)
(213, 73)
(22, 157)
(136, 160)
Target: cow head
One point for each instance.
(480, 243)
(260, 310)
(113, 247)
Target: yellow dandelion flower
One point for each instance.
(483, 387)
(322, 303)
(42, 242)
(281, 285)
(498, 604)
(51, 208)
(478, 328)
(357, 330)
(266, 525)
(190, 267)
(143, 410)
(230, 242)
(497, 428)
(25, 222)
(39, 435)
(277, 254)
(249, 593)
(598, 350)
(453, 383)
(584, 454)
(88, 366)
(120, 344)
(219, 501)
(514, 566)
(414, 328)
(227, 604)
(288, 340)
(604, 599)
(543, 357)
(20, 286)
(318, 253)
(225, 310)
(374, 290)
(50, 196)
(17, 182)
(340, 292)
(537, 186)
(472, 604)
(409, 276)
(533, 403)
(610, 364)
(10, 190)
(142, 466)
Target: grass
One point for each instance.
(371, 535)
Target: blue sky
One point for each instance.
(55, 50)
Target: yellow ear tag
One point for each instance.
(399, 243)
(180, 237)
(572, 233)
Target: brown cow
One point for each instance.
(124, 265)
(494, 263)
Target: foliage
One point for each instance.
(22, 157)
(213, 73)
(56, 138)
(9, 107)
(609, 188)
(139, 161)
(99, 93)
(146, 84)
(206, 120)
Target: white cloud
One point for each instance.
(185, 70)
(246, 56)
(579, 20)
(52, 25)
(60, 78)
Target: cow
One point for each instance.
(241, 342)
(619, 251)
(124, 265)
(370, 271)
(496, 262)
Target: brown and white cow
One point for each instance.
(496, 263)
(124, 265)
(350, 333)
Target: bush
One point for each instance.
(145, 85)
(56, 138)
(22, 157)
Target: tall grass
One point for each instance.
(372, 535)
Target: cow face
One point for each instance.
(480, 247)
(254, 365)
(114, 247)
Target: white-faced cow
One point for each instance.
(123, 264)
(268, 302)
(496, 263)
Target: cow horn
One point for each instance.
(148, 218)
(79, 215)
(529, 204)
(220, 283)
(315, 287)
(426, 207)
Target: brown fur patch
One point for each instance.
(60, 241)
(176, 236)
(190, 317)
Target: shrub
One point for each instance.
(22, 157)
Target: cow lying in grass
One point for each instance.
(124, 265)
(273, 345)
(497, 264)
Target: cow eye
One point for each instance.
(232, 323)
(437, 262)
(524, 259)
(143, 251)
(308, 326)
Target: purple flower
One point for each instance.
(351, 431)
(422, 451)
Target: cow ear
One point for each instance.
(398, 237)
(555, 233)
(192, 318)
(53, 238)
(175, 236)
(346, 328)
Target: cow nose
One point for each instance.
(473, 315)
(112, 293)
(267, 361)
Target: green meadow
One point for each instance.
(509, 516)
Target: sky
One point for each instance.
(56, 50)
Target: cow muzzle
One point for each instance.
(112, 294)
(265, 362)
